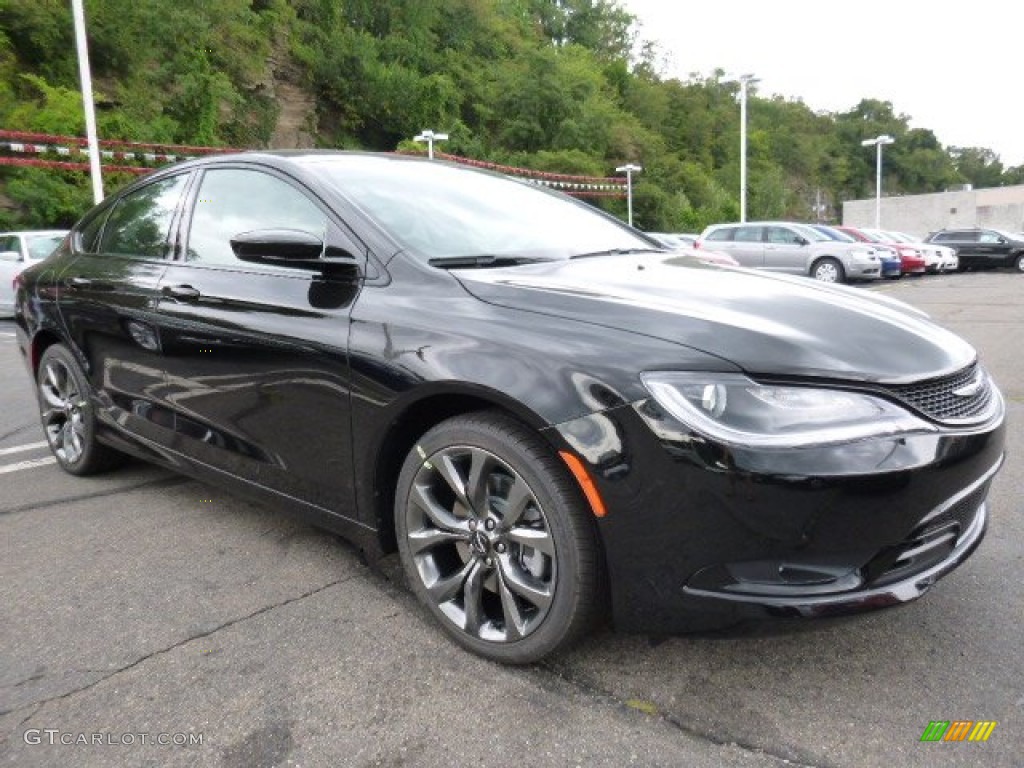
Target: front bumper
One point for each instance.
(863, 268)
(858, 597)
(698, 536)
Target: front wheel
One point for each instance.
(495, 539)
(68, 415)
(827, 270)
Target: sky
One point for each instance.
(956, 69)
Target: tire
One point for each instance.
(508, 564)
(68, 414)
(1019, 262)
(828, 270)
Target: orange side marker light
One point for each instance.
(586, 484)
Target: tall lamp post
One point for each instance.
(878, 142)
(430, 137)
(629, 169)
(85, 75)
(745, 81)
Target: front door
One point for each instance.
(256, 356)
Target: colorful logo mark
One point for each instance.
(958, 730)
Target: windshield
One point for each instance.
(810, 233)
(835, 234)
(903, 237)
(41, 246)
(439, 211)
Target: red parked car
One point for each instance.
(911, 260)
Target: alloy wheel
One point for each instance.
(63, 412)
(481, 544)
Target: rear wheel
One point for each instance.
(495, 539)
(1019, 262)
(827, 270)
(68, 414)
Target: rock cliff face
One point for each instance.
(297, 116)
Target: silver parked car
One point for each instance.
(19, 250)
(781, 246)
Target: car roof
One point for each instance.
(34, 232)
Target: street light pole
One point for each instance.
(629, 169)
(878, 142)
(745, 81)
(430, 137)
(85, 76)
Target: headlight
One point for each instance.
(732, 409)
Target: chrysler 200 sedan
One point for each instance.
(550, 419)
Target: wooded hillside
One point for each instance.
(557, 85)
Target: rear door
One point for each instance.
(967, 247)
(108, 299)
(748, 245)
(256, 356)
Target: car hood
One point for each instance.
(763, 323)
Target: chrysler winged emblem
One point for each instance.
(971, 388)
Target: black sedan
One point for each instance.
(548, 417)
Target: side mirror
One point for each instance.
(290, 248)
(10, 256)
(802, 240)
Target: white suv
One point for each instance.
(17, 251)
(797, 249)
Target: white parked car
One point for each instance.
(19, 250)
(938, 258)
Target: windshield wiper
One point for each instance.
(618, 252)
(484, 260)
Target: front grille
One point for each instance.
(936, 398)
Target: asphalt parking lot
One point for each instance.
(140, 607)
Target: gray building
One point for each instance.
(996, 207)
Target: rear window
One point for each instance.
(720, 235)
(957, 235)
(748, 235)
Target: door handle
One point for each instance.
(181, 292)
(79, 282)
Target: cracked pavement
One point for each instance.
(143, 603)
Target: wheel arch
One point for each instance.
(414, 419)
(828, 256)
(42, 341)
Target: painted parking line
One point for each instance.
(22, 448)
(30, 464)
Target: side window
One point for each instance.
(139, 222)
(89, 235)
(782, 235)
(720, 235)
(988, 237)
(748, 235)
(231, 201)
(966, 237)
(9, 243)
